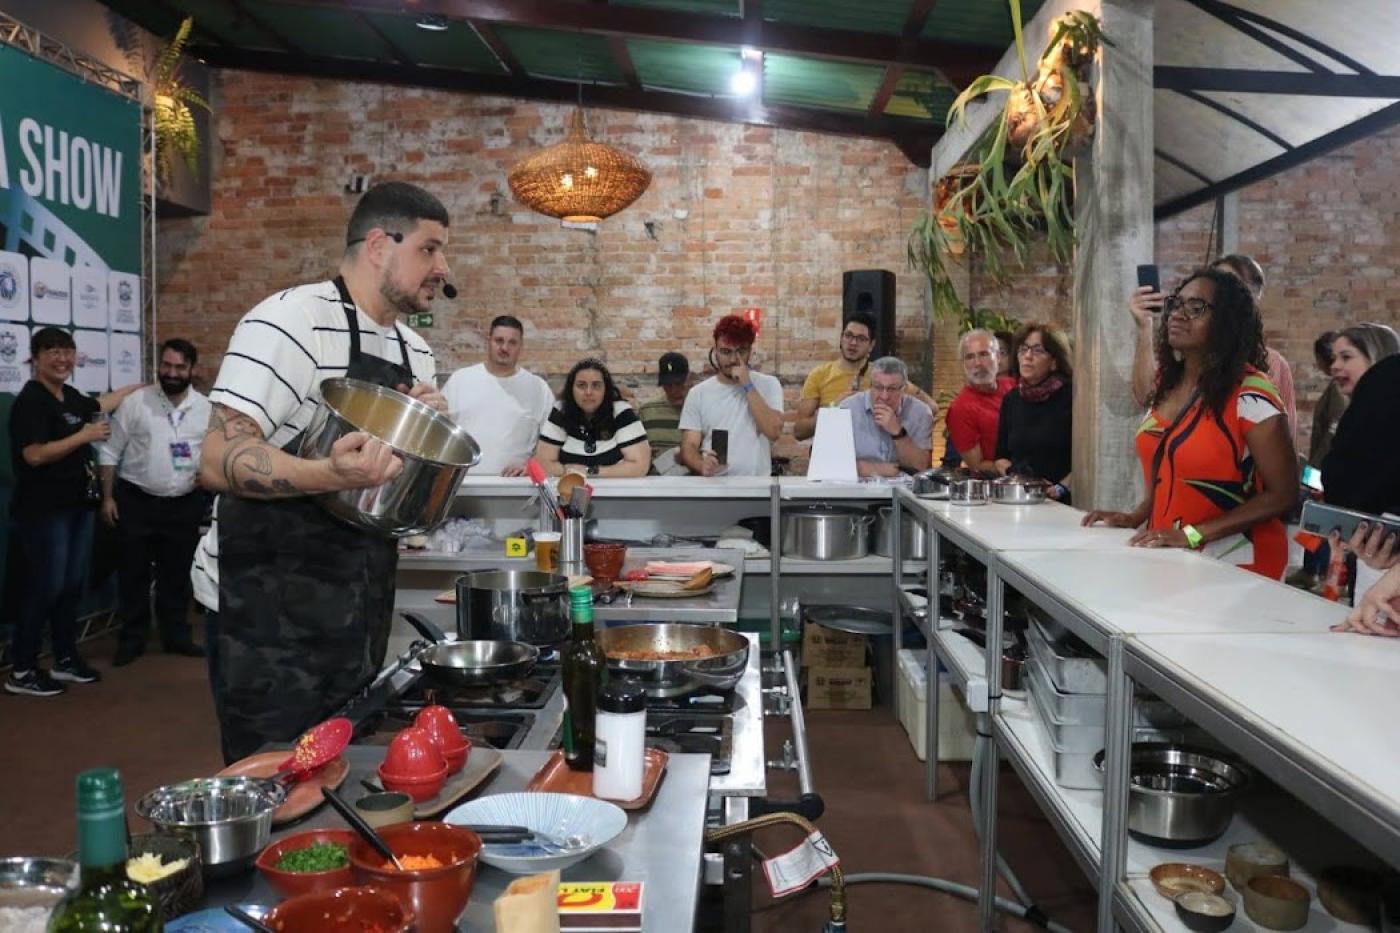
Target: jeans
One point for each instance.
(56, 550)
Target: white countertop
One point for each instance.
(685, 487)
(998, 527)
(1170, 590)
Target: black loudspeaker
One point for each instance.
(872, 291)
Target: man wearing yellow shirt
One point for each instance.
(829, 383)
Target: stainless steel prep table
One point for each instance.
(661, 847)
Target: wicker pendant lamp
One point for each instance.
(579, 180)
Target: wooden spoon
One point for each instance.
(699, 581)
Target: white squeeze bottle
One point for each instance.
(620, 747)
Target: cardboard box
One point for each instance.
(838, 688)
(826, 647)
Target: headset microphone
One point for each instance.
(449, 291)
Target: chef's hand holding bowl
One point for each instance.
(428, 394)
(361, 461)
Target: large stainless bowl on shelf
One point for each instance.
(230, 817)
(436, 455)
(1179, 796)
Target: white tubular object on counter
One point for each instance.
(620, 742)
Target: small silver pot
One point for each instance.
(1019, 490)
(230, 818)
(968, 491)
(513, 605)
(913, 535)
(436, 455)
(1180, 796)
(826, 532)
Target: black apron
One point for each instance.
(305, 600)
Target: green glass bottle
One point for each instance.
(106, 900)
(585, 672)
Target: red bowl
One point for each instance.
(438, 895)
(294, 883)
(604, 561)
(412, 754)
(420, 787)
(342, 909)
(442, 728)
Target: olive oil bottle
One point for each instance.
(106, 900)
(585, 672)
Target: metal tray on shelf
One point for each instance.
(1077, 737)
(1067, 668)
(1087, 709)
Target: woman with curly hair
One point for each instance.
(1215, 446)
(1035, 428)
(591, 429)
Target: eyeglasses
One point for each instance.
(1193, 309)
(887, 390)
(730, 353)
(855, 338)
(1032, 350)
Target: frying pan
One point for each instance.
(721, 670)
(471, 663)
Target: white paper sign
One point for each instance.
(124, 359)
(124, 301)
(833, 447)
(795, 869)
(14, 287)
(50, 282)
(90, 298)
(90, 369)
(14, 352)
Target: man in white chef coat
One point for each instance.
(500, 404)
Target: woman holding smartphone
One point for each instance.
(1215, 446)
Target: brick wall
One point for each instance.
(736, 216)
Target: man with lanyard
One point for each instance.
(301, 602)
(148, 468)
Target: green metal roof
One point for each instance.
(789, 79)
(883, 16)
(921, 95)
(979, 22)
(705, 69)
(552, 53)
(716, 7)
(319, 30)
(458, 46)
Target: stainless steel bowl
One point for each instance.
(1019, 490)
(968, 491)
(36, 883)
(230, 817)
(436, 455)
(1180, 796)
(826, 532)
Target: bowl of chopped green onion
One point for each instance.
(314, 860)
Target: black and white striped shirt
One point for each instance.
(280, 353)
(574, 446)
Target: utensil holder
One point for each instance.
(571, 548)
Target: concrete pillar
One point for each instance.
(1113, 214)
(1229, 207)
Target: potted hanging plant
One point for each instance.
(172, 99)
(1019, 184)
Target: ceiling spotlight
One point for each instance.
(743, 82)
(432, 22)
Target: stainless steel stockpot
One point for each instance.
(436, 454)
(513, 605)
(913, 535)
(826, 532)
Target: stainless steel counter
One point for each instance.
(747, 775)
(661, 847)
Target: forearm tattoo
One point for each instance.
(248, 462)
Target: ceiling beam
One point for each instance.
(1378, 122)
(498, 48)
(728, 110)
(1250, 81)
(264, 26)
(623, 58)
(913, 25)
(959, 61)
(1238, 117)
(390, 46)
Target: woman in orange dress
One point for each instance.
(1215, 447)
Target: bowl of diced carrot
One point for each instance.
(438, 869)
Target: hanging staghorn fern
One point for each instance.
(1019, 185)
(172, 100)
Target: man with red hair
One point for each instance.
(746, 405)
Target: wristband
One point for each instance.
(747, 387)
(903, 432)
(1194, 539)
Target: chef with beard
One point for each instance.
(300, 603)
(149, 468)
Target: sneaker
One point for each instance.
(35, 683)
(74, 671)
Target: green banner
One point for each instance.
(70, 163)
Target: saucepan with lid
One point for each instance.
(1019, 490)
(436, 455)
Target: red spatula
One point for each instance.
(317, 747)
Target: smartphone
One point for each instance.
(1149, 277)
(1311, 477)
(719, 443)
(1322, 519)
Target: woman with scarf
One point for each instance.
(1216, 450)
(1035, 429)
(592, 430)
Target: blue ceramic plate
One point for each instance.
(214, 920)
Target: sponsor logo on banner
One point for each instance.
(9, 348)
(124, 294)
(125, 359)
(9, 283)
(42, 288)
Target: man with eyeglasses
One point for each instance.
(829, 383)
(300, 603)
(974, 415)
(747, 405)
(893, 431)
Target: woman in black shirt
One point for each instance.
(1034, 433)
(55, 498)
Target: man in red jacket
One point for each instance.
(972, 418)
